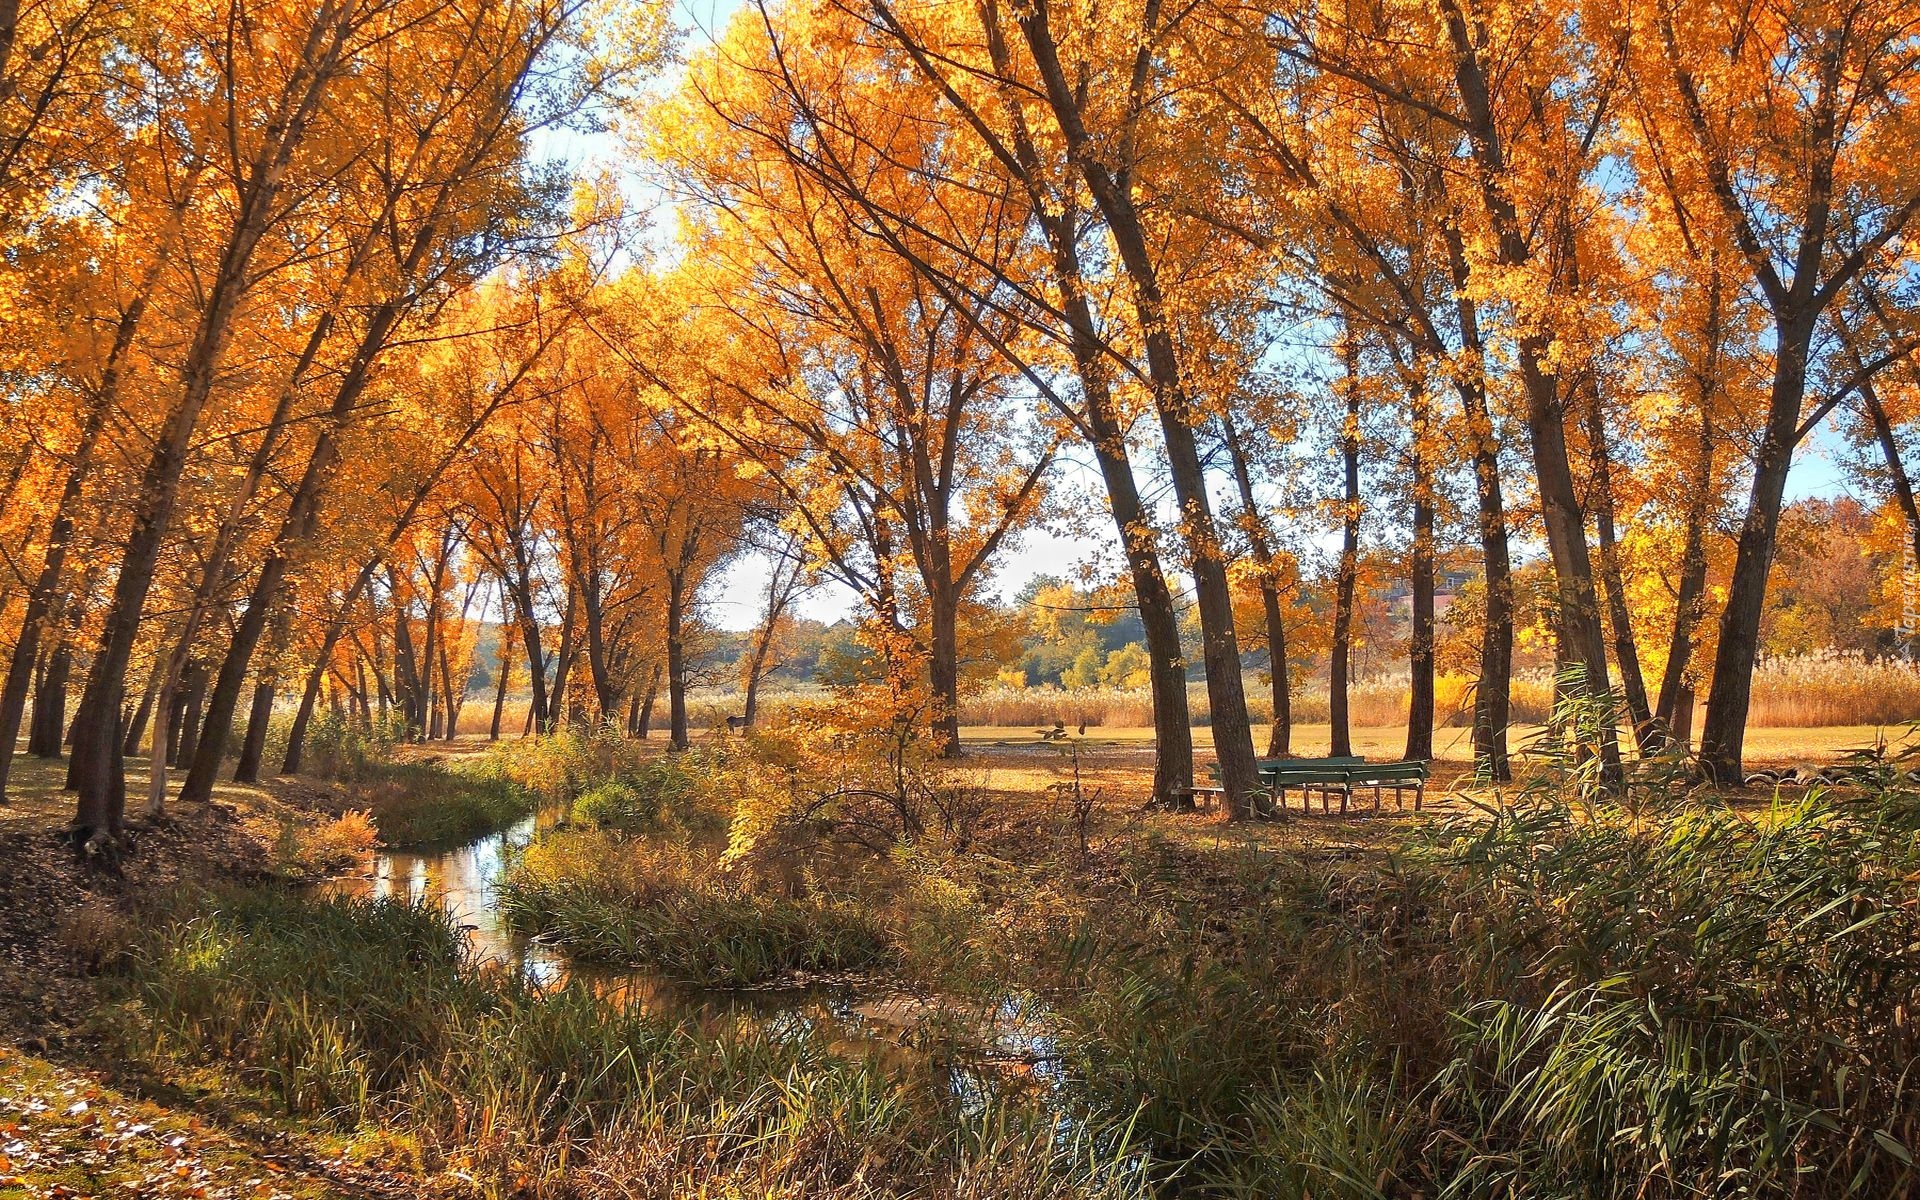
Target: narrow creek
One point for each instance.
(970, 1054)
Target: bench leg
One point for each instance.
(1343, 801)
(1419, 794)
(1376, 797)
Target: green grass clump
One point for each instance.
(612, 900)
(658, 797)
(370, 1014)
(427, 803)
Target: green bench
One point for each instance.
(1279, 774)
(1401, 777)
(1334, 775)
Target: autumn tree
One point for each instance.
(1791, 139)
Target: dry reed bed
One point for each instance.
(1798, 693)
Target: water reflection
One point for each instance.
(974, 1054)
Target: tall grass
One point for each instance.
(614, 900)
(1371, 703)
(1834, 690)
(1541, 1001)
(368, 1014)
(428, 803)
(1809, 692)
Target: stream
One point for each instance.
(970, 1054)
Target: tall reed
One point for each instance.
(368, 1013)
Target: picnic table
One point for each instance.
(1334, 775)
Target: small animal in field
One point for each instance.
(736, 724)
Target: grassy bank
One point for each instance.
(416, 800)
(608, 902)
(1547, 998)
(1546, 1003)
(414, 804)
(368, 1015)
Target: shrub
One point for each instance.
(326, 846)
(655, 796)
(341, 747)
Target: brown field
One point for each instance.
(1769, 746)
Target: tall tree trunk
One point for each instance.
(406, 666)
(781, 586)
(522, 591)
(943, 666)
(1723, 737)
(1493, 692)
(253, 745)
(260, 712)
(454, 698)
(606, 692)
(750, 700)
(1338, 664)
(1560, 510)
(500, 689)
(677, 730)
(173, 709)
(1626, 648)
(560, 711)
(1280, 741)
(1160, 623)
(49, 724)
(1112, 192)
(192, 712)
(137, 727)
(1420, 641)
(643, 725)
(1674, 710)
(309, 696)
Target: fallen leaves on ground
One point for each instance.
(65, 1137)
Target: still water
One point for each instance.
(974, 1053)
